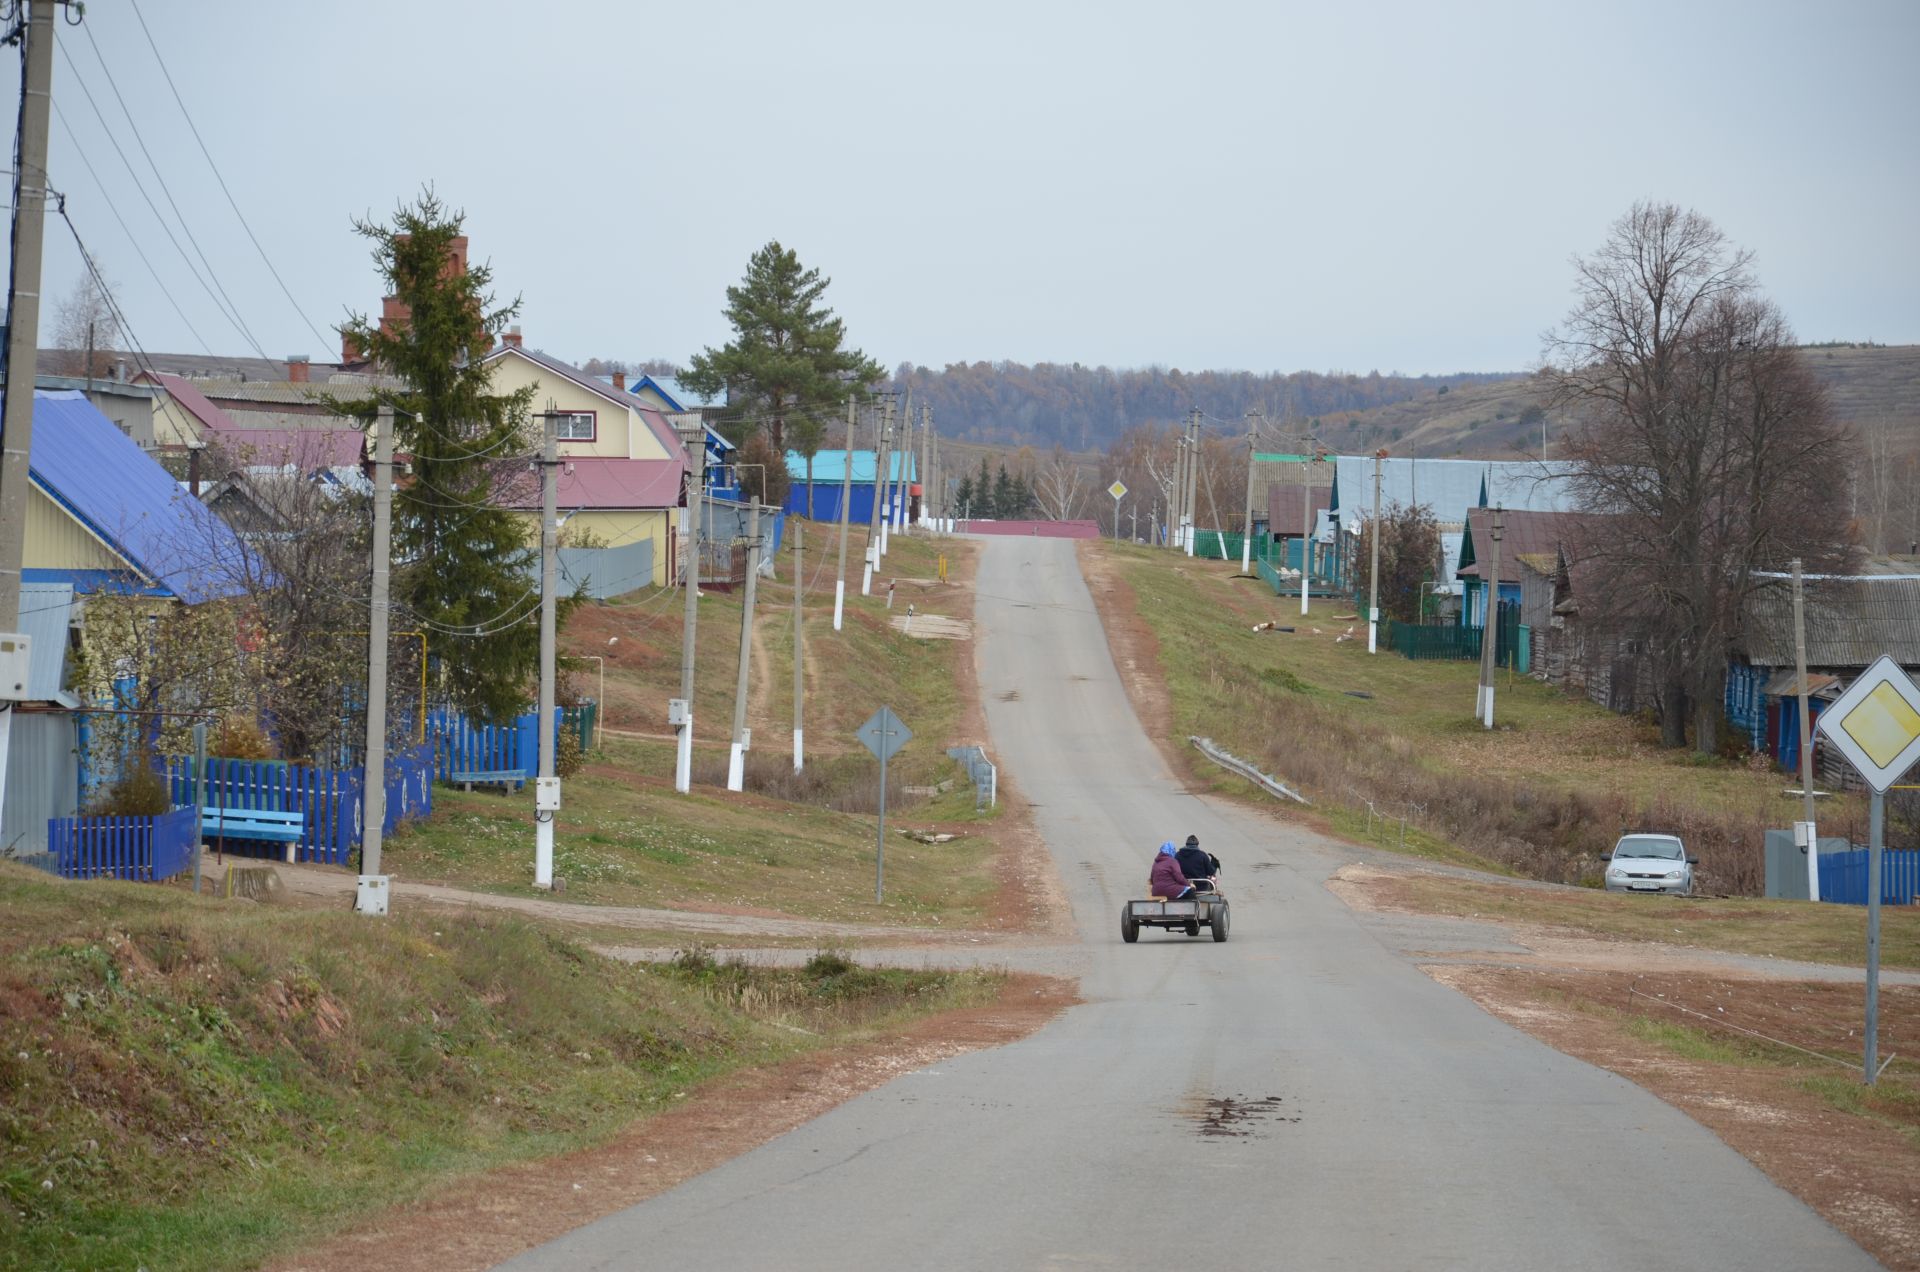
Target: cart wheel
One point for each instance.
(1193, 927)
(1129, 928)
(1219, 922)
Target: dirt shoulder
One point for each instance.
(1767, 1057)
(1136, 652)
(482, 1220)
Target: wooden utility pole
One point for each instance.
(371, 895)
(1246, 534)
(737, 755)
(1193, 476)
(23, 309)
(682, 717)
(1490, 624)
(846, 500)
(1809, 828)
(547, 783)
(799, 654)
(1373, 602)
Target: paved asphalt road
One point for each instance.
(1396, 1124)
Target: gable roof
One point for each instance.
(102, 478)
(595, 483)
(1284, 512)
(1523, 534)
(602, 389)
(188, 395)
(1448, 486)
(307, 449)
(1850, 621)
(677, 391)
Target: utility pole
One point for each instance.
(1246, 535)
(23, 310)
(1490, 626)
(799, 655)
(737, 760)
(371, 895)
(846, 497)
(1808, 829)
(925, 470)
(546, 786)
(681, 716)
(1193, 477)
(1373, 602)
(900, 485)
(1306, 522)
(884, 435)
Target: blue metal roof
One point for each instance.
(830, 466)
(97, 473)
(684, 398)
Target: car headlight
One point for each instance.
(1675, 874)
(1616, 869)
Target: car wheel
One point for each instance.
(1129, 928)
(1220, 922)
(1193, 927)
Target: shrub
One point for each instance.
(137, 792)
(238, 738)
(569, 756)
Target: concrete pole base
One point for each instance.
(866, 576)
(737, 768)
(543, 851)
(683, 758)
(799, 749)
(839, 601)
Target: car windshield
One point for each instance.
(1649, 846)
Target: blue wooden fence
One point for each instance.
(330, 800)
(1843, 876)
(147, 849)
(465, 747)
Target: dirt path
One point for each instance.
(311, 884)
(482, 1220)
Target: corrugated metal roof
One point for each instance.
(188, 394)
(46, 613)
(831, 465)
(594, 483)
(1284, 511)
(1850, 622)
(1523, 534)
(102, 477)
(1448, 486)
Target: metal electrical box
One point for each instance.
(677, 712)
(546, 795)
(14, 663)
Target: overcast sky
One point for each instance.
(1263, 186)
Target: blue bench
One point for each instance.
(515, 778)
(252, 823)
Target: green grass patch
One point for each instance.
(186, 1083)
(1689, 1043)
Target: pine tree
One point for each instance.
(785, 360)
(983, 491)
(963, 495)
(463, 563)
(1003, 505)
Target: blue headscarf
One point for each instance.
(1167, 849)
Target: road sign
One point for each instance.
(1118, 490)
(1876, 723)
(884, 734)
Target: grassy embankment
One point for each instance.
(799, 844)
(194, 1084)
(1543, 794)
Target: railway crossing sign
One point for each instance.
(1876, 723)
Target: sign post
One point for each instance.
(883, 734)
(1119, 491)
(1876, 725)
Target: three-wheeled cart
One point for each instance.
(1188, 914)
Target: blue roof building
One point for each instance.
(829, 469)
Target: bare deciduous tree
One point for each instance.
(1060, 486)
(85, 318)
(1706, 438)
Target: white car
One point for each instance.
(1651, 863)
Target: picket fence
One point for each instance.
(329, 800)
(461, 746)
(144, 849)
(1843, 876)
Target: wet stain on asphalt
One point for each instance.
(1237, 1116)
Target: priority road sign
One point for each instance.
(1876, 723)
(884, 734)
(1118, 490)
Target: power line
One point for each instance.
(113, 305)
(137, 249)
(222, 180)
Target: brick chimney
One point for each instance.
(350, 351)
(620, 380)
(513, 337)
(299, 368)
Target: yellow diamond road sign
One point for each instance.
(1876, 723)
(1118, 489)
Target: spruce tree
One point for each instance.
(785, 360)
(963, 496)
(463, 564)
(983, 491)
(1003, 505)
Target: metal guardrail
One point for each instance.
(981, 770)
(1233, 763)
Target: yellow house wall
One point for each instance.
(619, 432)
(55, 541)
(615, 529)
(173, 424)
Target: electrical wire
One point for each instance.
(231, 202)
(113, 305)
(134, 242)
(114, 84)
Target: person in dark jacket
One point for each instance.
(1198, 865)
(1165, 880)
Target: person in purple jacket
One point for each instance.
(1166, 879)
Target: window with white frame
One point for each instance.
(574, 426)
